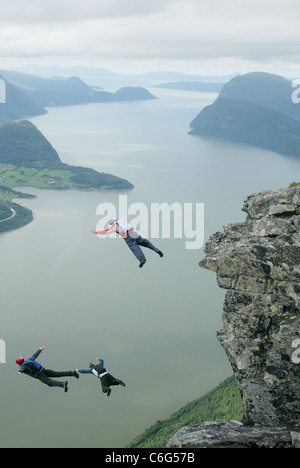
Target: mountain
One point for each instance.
(111, 81)
(265, 89)
(249, 123)
(28, 159)
(131, 93)
(18, 105)
(257, 263)
(255, 109)
(105, 78)
(22, 144)
(223, 402)
(156, 77)
(48, 92)
(56, 70)
(29, 95)
(200, 86)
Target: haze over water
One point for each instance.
(84, 297)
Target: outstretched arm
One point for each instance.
(106, 231)
(82, 371)
(101, 362)
(37, 353)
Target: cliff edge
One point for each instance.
(258, 263)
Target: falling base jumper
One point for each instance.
(132, 239)
(35, 370)
(107, 380)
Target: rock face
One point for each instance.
(258, 263)
(233, 434)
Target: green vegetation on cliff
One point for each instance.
(222, 403)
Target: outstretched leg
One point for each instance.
(51, 373)
(118, 382)
(47, 376)
(146, 243)
(134, 241)
(46, 379)
(107, 381)
(135, 249)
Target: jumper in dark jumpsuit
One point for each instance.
(36, 371)
(106, 379)
(132, 239)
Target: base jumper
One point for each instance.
(36, 371)
(106, 379)
(132, 239)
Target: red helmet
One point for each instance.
(20, 361)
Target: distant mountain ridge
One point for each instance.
(18, 105)
(201, 86)
(110, 80)
(255, 109)
(28, 96)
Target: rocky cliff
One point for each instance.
(258, 263)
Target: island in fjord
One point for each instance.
(256, 109)
(28, 159)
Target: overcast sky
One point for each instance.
(192, 36)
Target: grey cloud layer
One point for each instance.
(57, 11)
(163, 29)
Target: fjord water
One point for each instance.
(84, 297)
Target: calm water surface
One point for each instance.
(84, 297)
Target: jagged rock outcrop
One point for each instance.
(233, 434)
(258, 263)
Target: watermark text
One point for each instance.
(159, 221)
(2, 352)
(296, 93)
(296, 354)
(2, 92)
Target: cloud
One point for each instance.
(61, 11)
(156, 30)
